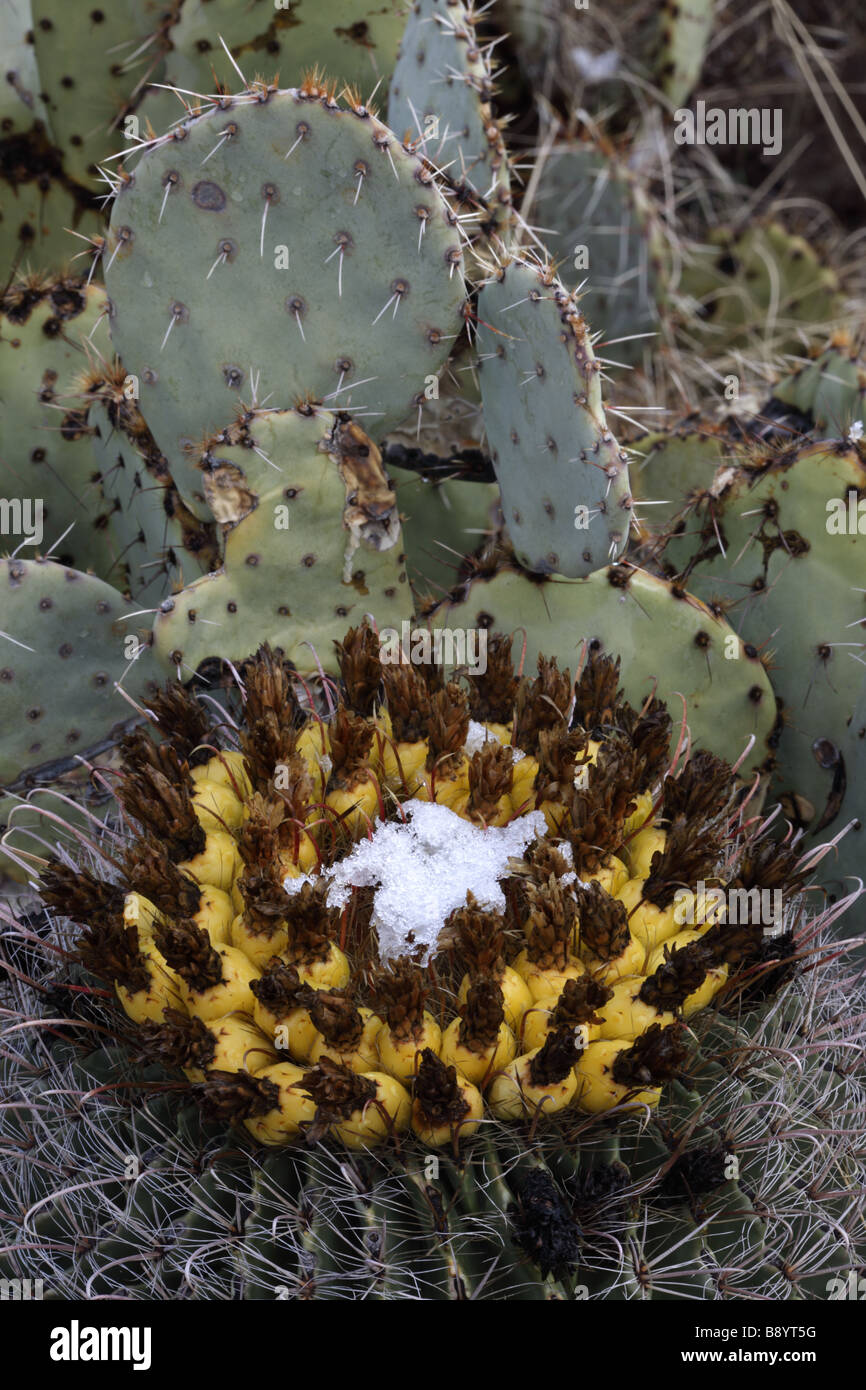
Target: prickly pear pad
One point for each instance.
(564, 479)
(276, 248)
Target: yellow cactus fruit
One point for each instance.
(149, 985)
(404, 745)
(606, 945)
(362, 1111)
(579, 1006)
(685, 969)
(215, 914)
(353, 793)
(261, 929)
(301, 856)
(214, 980)
(310, 948)
(217, 807)
(313, 744)
(480, 936)
(281, 1009)
(228, 769)
(626, 1014)
(490, 773)
(550, 923)
(613, 1072)
(445, 1106)
(258, 947)
(660, 904)
(446, 779)
(232, 1042)
(542, 1081)
(612, 875)
(649, 924)
(402, 765)
(218, 864)
(167, 891)
(524, 773)
(399, 992)
(516, 994)
(344, 1032)
(501, 732)
(637, 821)
(641, 848)
(290, 1111)
(139, 912)
(480, 1042)
(331, 971)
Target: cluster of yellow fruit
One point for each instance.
(222, 946)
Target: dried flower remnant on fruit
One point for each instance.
(492, 693)
(657, 1056)
(542, 704)
(690, 855)
(482, 1014)
(557, 1057)
(682, 972)
(596, 693)
(337, 1092)
(360, 668)
(398, 994)
(437, 1092)
(580, 1002)
(604, 929)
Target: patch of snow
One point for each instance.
(294, 885)
(596, 67)
(424, 869)
(479, 734)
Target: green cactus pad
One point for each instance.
(671, 644)
(94, 65)
(832, 389)
(45, 449)
(791, 581)
(440, 101)
(285, 550)
(202, 313)
(668, 466)
(596, 216)
(684, 30)
(442, 523)
(762, 284)
(157, 540)
(64, 648)
(354, 41)
(564, 480)
(21, 101)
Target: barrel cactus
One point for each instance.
(579, 1044)
(431, 628)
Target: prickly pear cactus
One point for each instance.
(761, 286)
(598, 219)
(266, 215)
(50, 333)
(59, 620)
(353, 41)
(830, 391)
(312, 541)
(776, 543)
(439, 102)
(563, 477)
